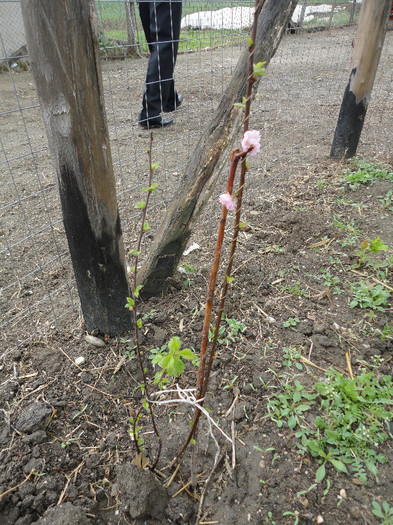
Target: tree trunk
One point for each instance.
(204, 165)
(62, 38)
(369, 40)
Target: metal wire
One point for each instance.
(296, 109)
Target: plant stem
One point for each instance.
(203, 372)
(138, 347)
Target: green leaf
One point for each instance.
(136, 253)
(377, 245)
(229, 279)
(338, 465)
(321, 473)
(137, 290)
(146, 226)
(141, 205)
(377, 511)
(292, 422)
(297, 397)
(152, 188)
(259, 70)
(154, 166)
(250, 42)
(175, 366)
(174, 344)
(188, 354)
(139, 323)
(130, 303)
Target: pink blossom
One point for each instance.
(252, 142)
(227, 201)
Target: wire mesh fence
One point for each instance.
(296, 109)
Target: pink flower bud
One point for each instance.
(227, 201)
(251, 142)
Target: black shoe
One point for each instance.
(157, 122)
(170, 108)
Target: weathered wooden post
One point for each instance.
(302, 15)
(62, 39)
(353, 10)
(210, 154)
(334, 3)
(132, 49)
(369, 40)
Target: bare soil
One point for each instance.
(66, 446)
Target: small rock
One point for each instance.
(140, 492)
(160, 335)
(36, 438)
(79, 360)
(95, 341)
(34, 417)
(321, 340)
(319, 328)
(86, 377)
(64, 515)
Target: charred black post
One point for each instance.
(62, 39)
(369, 40)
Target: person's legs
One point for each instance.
(161, 23)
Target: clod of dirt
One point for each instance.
(34, 417)
(64, 515)
(140, 492)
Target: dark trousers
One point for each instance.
(161, 25)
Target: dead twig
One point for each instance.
(204, 490)
(17, 486)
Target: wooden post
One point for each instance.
(332, 13)
(210, 153)
(302, 15)
(369, 40)
(132, 49)
(353, 10)
(62, 39)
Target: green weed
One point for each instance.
(329, 280)
(384, 511)
(295, 289)
(366, 172)
(351, 230)
(170, 358)
(229, 333)
(387, 200)
(368, 295)
(291, 322)
(350, 424)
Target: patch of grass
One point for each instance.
(229, 332)
(295, 289)
(350, 424)
(369, 295)
(387, 200)
(330, 280)
(350, 228)
(366, 172)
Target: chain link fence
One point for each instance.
(296, 109)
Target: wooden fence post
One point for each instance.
(369, 40)
(62, 39)
(209, 155)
